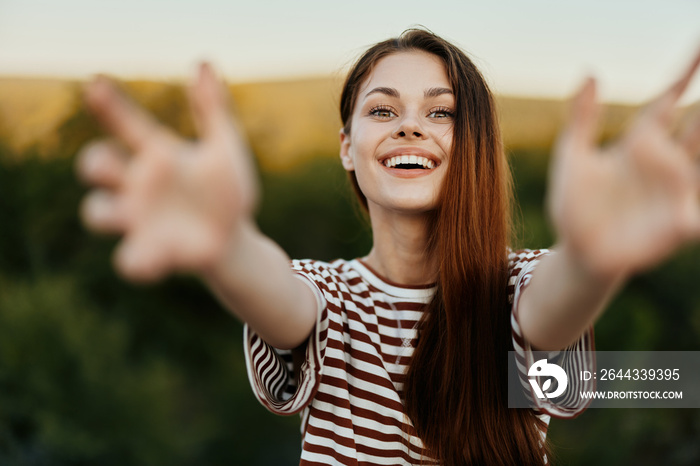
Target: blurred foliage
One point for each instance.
(96, 371)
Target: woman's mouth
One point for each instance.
(409, 162)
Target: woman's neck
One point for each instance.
(400, 250)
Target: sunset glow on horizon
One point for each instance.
(540, 48)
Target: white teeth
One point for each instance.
(409, 159)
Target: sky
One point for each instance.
(523, 47)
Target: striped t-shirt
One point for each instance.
(349, 386)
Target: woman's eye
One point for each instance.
(440, 113)
(382, 112)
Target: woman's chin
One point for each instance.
(408, 206)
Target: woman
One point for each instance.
(399, 357)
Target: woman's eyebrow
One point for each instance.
(390, 91)
(437, 91)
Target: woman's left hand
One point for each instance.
(627, 207)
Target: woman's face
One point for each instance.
(401, 133)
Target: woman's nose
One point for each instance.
(409, 127)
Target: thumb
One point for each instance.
(575, 141)
(580, 131)
(209, 103)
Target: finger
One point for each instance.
(102, 163)
(101, 212)
(119, 114)
(580, 132)
(690, 135)
(137, 260)
(688, 214)
(209, 102)
(663, 106)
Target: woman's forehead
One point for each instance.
(410, 72)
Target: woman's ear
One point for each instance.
(345, 156)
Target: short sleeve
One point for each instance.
(271, 370)
(577, 357)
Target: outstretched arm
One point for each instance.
(616, 211)
(188, 207)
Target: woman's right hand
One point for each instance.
(178, 204)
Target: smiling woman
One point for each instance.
(447, 226)
(400, 118)
(400, 357)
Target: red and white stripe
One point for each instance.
(350, 385)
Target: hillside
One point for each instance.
(286, 121)
(32, 109)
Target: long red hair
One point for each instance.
(456, 385)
